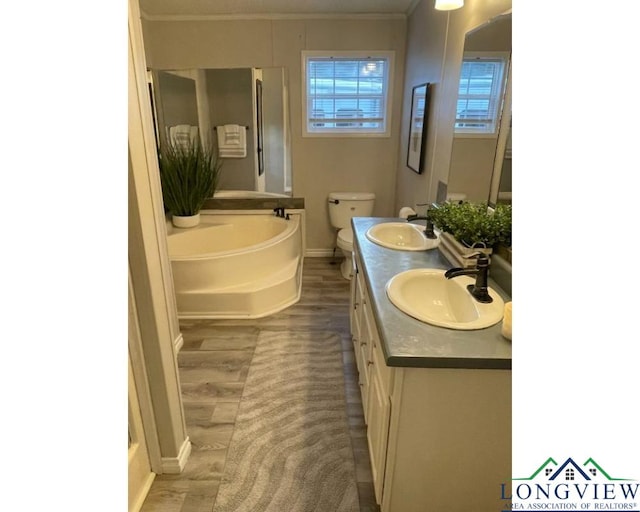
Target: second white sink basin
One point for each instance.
(402, 236)
(428, 296)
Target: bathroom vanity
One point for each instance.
(437, 401)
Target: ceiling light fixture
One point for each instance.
(448, 5)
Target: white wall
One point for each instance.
(319, 165)
(150, 272)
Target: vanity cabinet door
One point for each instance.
(363, 358)
(378, 413)
(355, 302)
(361, 335)
(355, 312)
(377, 433)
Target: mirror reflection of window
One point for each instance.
(418, 119)
(482, 100)
(482, 80)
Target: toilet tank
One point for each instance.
(345, 205)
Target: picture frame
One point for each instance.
(260, 127)
(417, 145)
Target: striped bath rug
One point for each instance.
(290, 450)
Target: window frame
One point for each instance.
(459, 133)
(388, 55)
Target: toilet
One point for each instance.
(342, 207)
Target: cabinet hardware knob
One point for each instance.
(369, 363)
(362, 344)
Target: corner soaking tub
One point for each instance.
(237, 265)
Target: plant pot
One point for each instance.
(459, 252)
(190, 221)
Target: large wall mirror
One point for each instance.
(203, 101)
(481, 153)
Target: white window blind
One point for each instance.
(480, 94)
(346, 94)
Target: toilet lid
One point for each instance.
(345, 237)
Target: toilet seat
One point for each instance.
(345, 239)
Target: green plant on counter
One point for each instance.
(189, 175)
(473, 224)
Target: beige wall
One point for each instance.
(471, 167)
(319, 165)
(434, 44)
(435, 41)
(178, 100)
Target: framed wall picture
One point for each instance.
(260, 127)
(418, 128)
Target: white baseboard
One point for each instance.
(175, 465)
(322, 253)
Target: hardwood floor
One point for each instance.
(213, 366)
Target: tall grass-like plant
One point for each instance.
(189, 175)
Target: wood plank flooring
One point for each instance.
(213, 366)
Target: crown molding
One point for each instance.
(272, 16)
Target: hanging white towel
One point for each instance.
(232, 141)
(183, 135)
(232, 133)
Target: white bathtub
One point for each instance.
(237, 265)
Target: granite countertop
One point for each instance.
(407, 342)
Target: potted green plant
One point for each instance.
(189, 174)
(467, 227)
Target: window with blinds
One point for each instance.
(480, 93)
(346, 94)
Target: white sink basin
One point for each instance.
(428, 296)
(402, 236)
